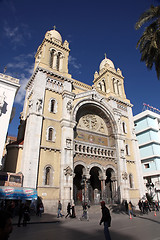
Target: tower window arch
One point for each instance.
(131, 181)
(58, 61)
(52, 56)
(51, 134)
(48, 175)
(127, 149)
(124, 127)
(104, 85)
(53, 105)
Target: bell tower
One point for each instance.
(53, 53)
(109, 81)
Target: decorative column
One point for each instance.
(55, 54)
(66, 181)
(32, 138)
(61, 63)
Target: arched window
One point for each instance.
(100, 86)
(127, 149)
(52, 58)
(47, 176)
(104, 85)
(53, 105)
(51, 134)
(58, 61)
(130, 180)
(124, 127)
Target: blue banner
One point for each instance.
(18, 193)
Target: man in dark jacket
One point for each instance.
(106, 219)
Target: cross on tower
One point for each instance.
(54, 27)
(105, 55)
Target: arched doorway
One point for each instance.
(110, 186)
(94, 145)
(77, 186)
(94, 186)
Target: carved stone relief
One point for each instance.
(68, 171)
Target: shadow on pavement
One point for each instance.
(59, 232)
(149, 219)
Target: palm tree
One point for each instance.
(149, 43)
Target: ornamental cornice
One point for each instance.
(110, 71)
(67, 123)
(9, 79)
(50, 149)
(47, 40)
(119, 101)
(48, 72)
(56, 44)
(68, 94)
(77, 83)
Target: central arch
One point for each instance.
(94, 150)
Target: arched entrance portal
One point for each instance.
(94, 185)
(77, 186)
(110, 186)
(94, 149)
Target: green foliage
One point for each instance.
(149, 43)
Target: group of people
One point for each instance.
(145, 206)
(70, 210)
(6, 221)
(22, 209)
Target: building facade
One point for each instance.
(76, 142)
(8, 89)
(147, 126)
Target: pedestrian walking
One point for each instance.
(130, 210)
(68, 210)
(85, 214)
(59, 209)
(73, 215)
(106, 219)
(140, 205)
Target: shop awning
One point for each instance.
(20, 193)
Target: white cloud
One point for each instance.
(24, 78)
(17, 34)
(73, 61)
(21, 68)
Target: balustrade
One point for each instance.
(86, 149)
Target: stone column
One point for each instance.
(55, 60)
(66, 181)
(61, 63)
(32, 138)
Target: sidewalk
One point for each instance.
(94, 215)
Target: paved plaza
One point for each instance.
(49, 227)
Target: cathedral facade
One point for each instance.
(76, 142)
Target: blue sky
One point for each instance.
(92, 29)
